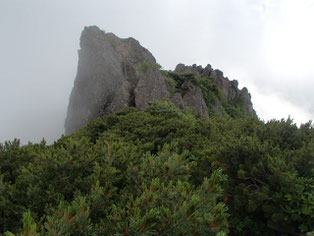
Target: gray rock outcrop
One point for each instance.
(192, 99)
(229, 88)
(112, 74)
(115, 73)
(198, 71)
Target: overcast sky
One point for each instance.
(267, 45)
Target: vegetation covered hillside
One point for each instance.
(162, 172)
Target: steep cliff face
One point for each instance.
(114, 73)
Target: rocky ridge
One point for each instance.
(229, 88)
(114, 73)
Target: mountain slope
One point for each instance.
(162, 171)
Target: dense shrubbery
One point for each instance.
(162, 172)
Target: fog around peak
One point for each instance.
(264, 44)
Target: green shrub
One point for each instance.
(146, 65)
(164, 172)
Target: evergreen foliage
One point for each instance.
(162, 172)
(146, 65)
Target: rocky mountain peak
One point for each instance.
(114, 73)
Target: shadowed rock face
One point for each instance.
(114, 73)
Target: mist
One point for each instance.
(265, 45)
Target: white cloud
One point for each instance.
(288, 39)
(272, 106)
